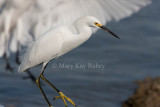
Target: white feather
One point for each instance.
(37, 16)
(57, 41)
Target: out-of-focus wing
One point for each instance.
(67, 11)
(40, 15)
(10, 12)
(105, 10)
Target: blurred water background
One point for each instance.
(133, 57)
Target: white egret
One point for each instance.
(56, 42)
(23, 20)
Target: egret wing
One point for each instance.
(44, 49)
(68, 11)
(30, 18)
(10, 16)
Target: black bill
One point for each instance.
(106, 29)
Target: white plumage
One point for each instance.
(23, 20)
(44, 48)
(56, 42)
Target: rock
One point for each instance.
(146, 95)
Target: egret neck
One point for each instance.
(84, 31)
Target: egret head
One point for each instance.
(93, 22)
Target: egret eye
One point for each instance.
(96, 23)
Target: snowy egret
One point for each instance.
(56, 42)
(23, 20)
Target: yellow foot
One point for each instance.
(63, 98)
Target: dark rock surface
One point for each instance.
(146, 95)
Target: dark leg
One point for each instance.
(17, 58)
(30, 75)
(61, 94)
(17, 53)
(8, 66)
(49, 83)
(39, 85)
